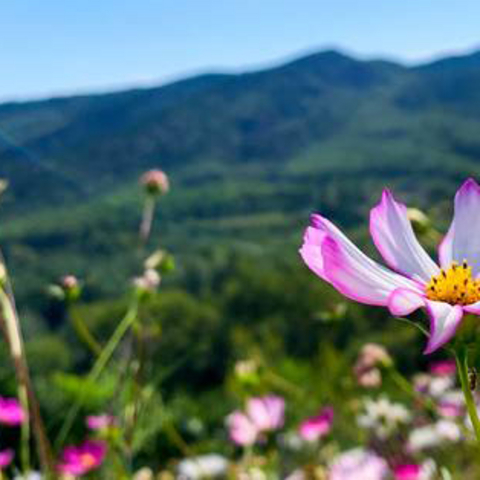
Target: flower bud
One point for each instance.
(148, 282)
(420, 222)
(3, 275)
(155, 182)
(161, 261)
(70, 287)
(3, 185)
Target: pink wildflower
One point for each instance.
(100, 422)
(358, 464)
(6, 457)
(242, 430)
(11, 413)
(408, 472)
(414, 281)
(443, 368)
(80, 460)
(366, 372)
(316, 427)
(266, 413)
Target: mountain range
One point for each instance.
(249, 156)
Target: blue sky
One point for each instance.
(50, 47)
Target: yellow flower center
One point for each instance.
(454, 285)
(87, 460)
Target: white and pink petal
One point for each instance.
(444, 321)
(337, 260)
(404, 301)
(393, 236)
(462, 241)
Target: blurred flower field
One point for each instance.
(365, 406)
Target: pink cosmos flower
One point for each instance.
(266, 413)
(80, 460)
(100, 422)
(6, 457)
(443, 368)
(358, 464)
(316, 427)
(11, 413)
(425, 471)
(408, 472)
(242, 430)
(415, 280)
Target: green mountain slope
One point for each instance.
(249, 156)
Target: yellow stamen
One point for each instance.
(87, 460)
(454, 285)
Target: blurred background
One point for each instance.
(260, 112)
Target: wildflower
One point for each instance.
(451, 404)
(32, 475)
(100, 422)
(433, 435)
(415, 281)
(443, 368)
(383, 416)
(6, 457)
(413, 471)
(371, 356)
(155, 182)
(266, 413)
(356, 464)
(371, 378)
(316, 427)
(144, 473)
(82, 459)
(11, 413)
(242, 430)
(407, 472)
(204, 466)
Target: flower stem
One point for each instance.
(147, 220)
(84, 333)
(407, 387)
(461, 357)
(26, 394)
(99, 365)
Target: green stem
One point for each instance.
(26, 394)
(16, 347)
(407, 387)
(84, 333)
(147, 219)
(102, 361)
(461, 357)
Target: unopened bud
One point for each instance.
(3, 185)
(420, 222)
(148, 282)
(3, 275)
(70, 287)
(161, 261)
(155, 182)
